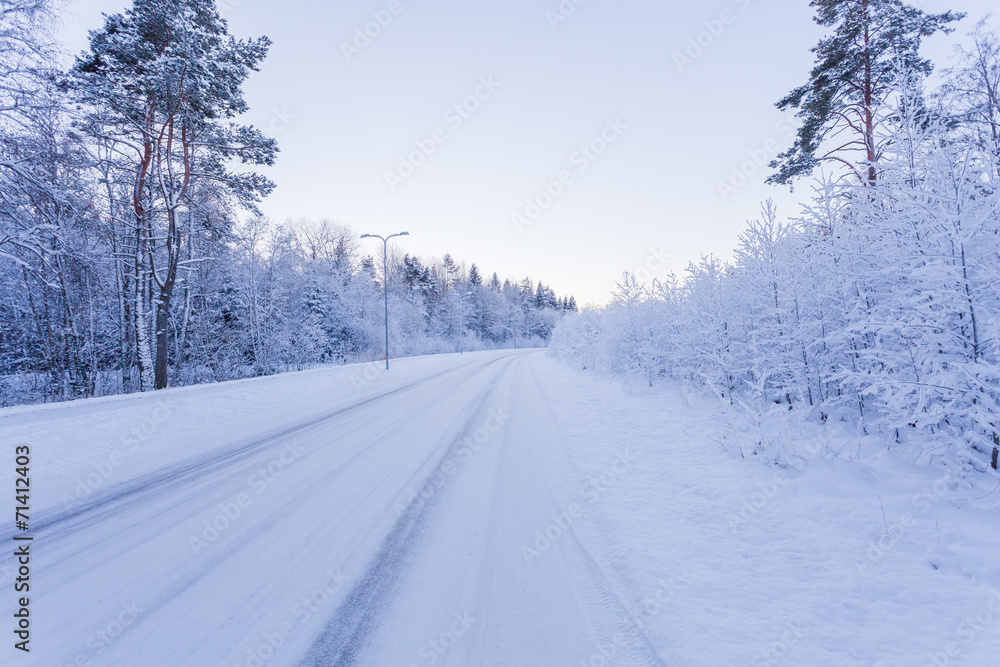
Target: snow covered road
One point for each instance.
(386, 528)
(480, 509)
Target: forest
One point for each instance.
(133, 255)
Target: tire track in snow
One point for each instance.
(597, 592)
(59, 523)
(640, 649)
(346, 635)
(222, 554)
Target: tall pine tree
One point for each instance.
(849, 85)
(162, 82)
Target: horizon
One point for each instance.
(568, 160)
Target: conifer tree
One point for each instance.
(162, 82)
(475, 279)
(849, 85)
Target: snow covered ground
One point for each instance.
(493, 508)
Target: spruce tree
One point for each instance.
(475, 279)
(451, 271)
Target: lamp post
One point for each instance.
(385, 282)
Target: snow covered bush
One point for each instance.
(879, 305)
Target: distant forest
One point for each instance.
(132, 252)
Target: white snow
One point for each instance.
(492, 508)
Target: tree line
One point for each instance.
(879, 304)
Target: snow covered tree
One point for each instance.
(878, 305)
(49, 253)
(972, 90)
(842, 103)
(162, 83)
(450, 272)
(26, 55)
(475, 279)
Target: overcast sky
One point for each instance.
(625, 122)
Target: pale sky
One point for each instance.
(532, 90)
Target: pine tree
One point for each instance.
(527, 290)
(851, 81)
(162, 82)
(450, 271)
(413, 271)
(475, 279)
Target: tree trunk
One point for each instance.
(142, 337)
(869, 91)
(162, 339)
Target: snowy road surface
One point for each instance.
(479, 509)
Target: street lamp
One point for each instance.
(385, 282)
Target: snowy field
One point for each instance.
(491, 508)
